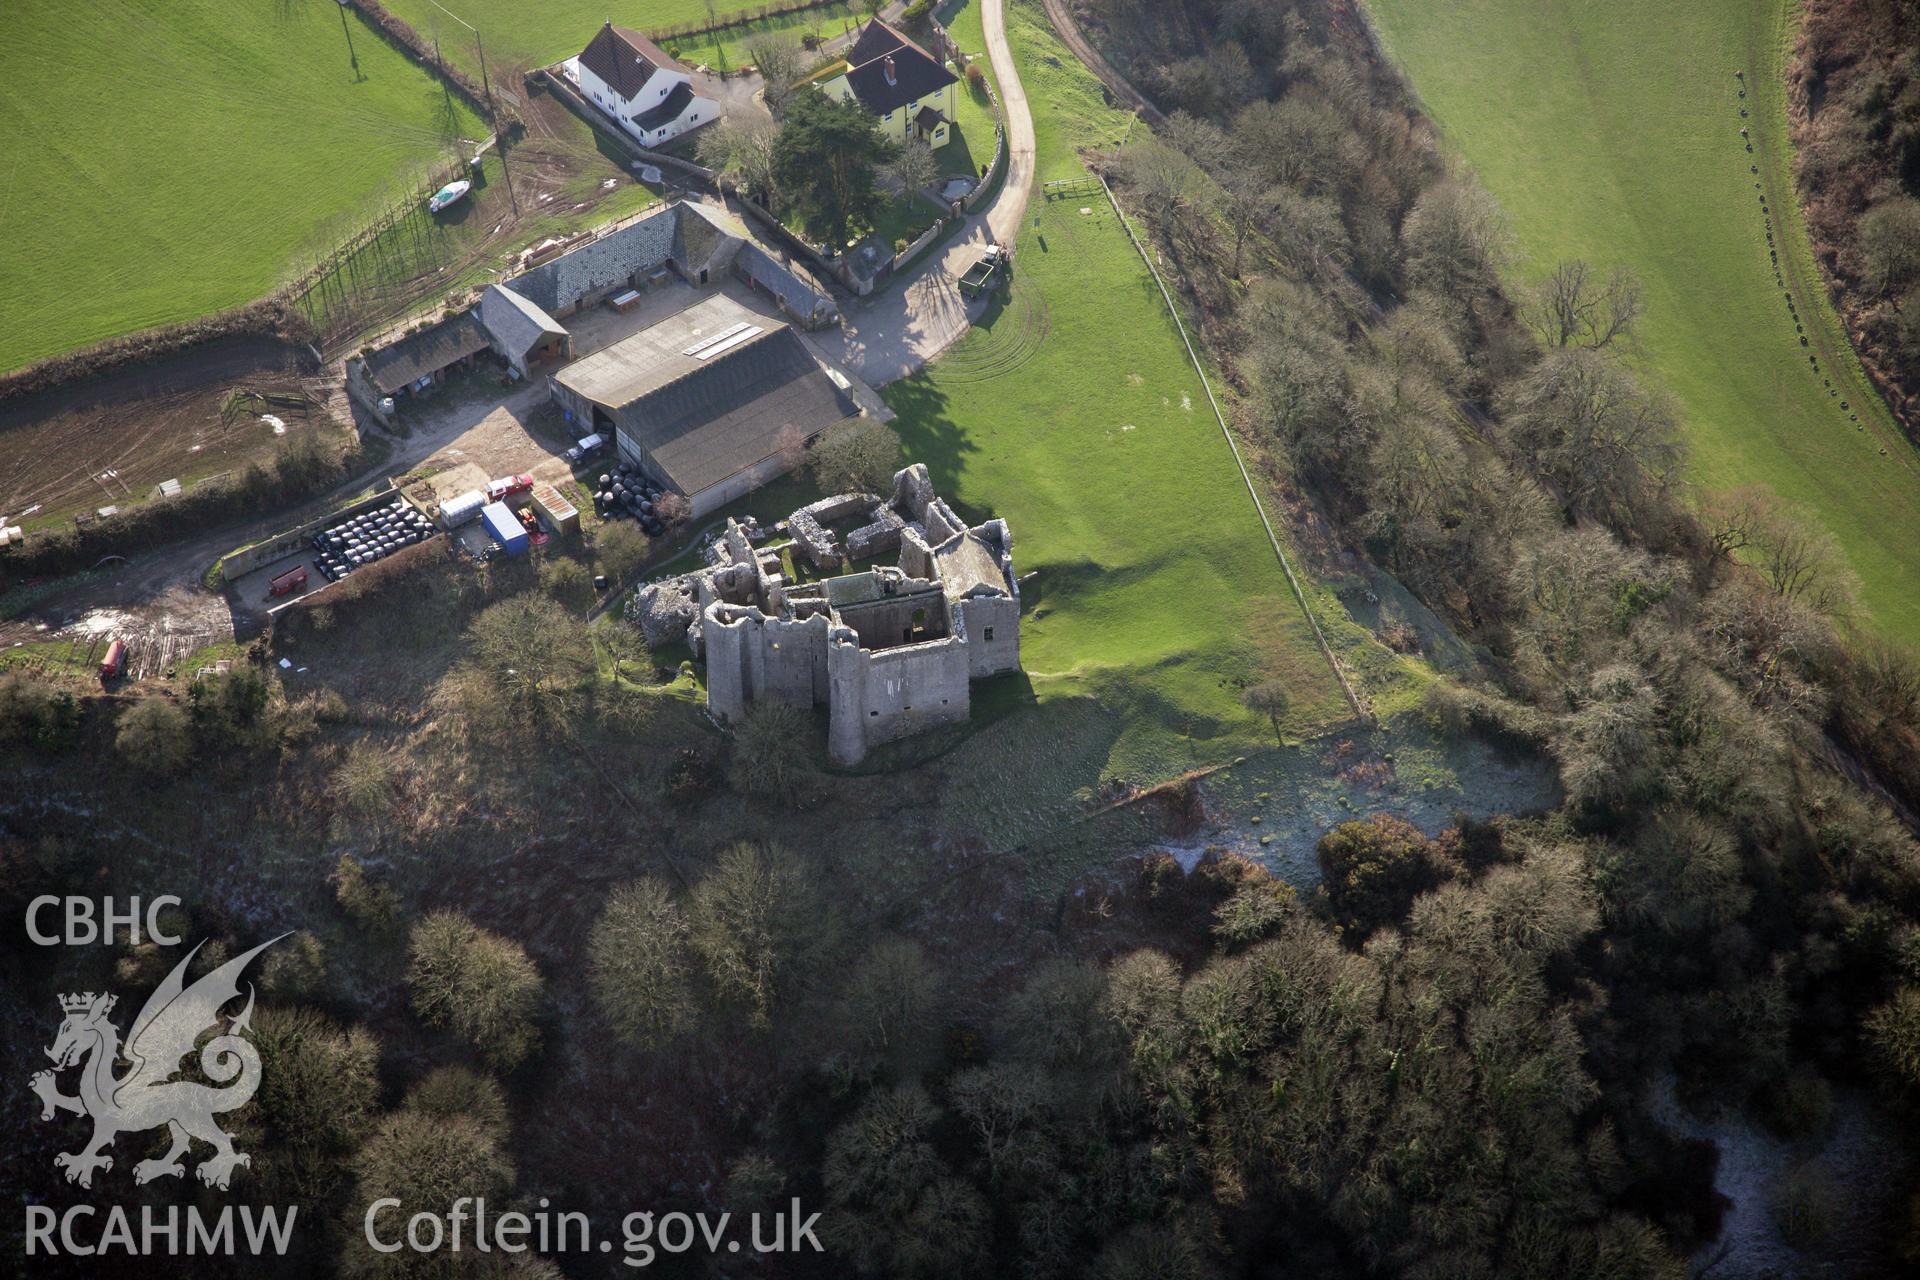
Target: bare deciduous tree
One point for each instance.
(1454, 240)
(742, 151)
(1571, 308)
(1587, 429)
(639, 965)
(1799, 560)
(1890, 245)
(1164, 179)
(780, 65)
(913, 166)
(859, 457)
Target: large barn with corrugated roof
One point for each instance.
(711, 402)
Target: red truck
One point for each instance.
(289, 582)
(506, 486)
(115, 662)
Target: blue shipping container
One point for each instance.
(505, 528)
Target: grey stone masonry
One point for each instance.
(889, 651)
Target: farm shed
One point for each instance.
(706, 401)
(560, 515)
(419, 360)
(522, 333)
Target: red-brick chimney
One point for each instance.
(891, 78)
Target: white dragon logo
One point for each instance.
(148, 1096)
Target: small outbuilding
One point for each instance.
(505, 528)
(420, 360)
(522, 333)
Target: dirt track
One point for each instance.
(1061, 14)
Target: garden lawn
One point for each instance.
(519, 33)
(1073, 412)
(1611, 132)
(169, 158)
(974, 112)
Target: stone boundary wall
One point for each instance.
(951, 48)
(914, 250)
(996, 168)
(784, 235)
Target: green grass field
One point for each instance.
(169, 158)
(1074, 413)
(517, 33)
(1611, 132)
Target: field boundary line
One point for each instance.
(1206, 383)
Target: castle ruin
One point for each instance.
(889, 651)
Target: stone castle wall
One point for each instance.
(880, 695)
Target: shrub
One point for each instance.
(773, 753)
(296, 969)
(638, 964)
(622, 548)
(1798, 1106)
(476, 983)
(35, 715)
(448, 1093)
(690, 776)
(363, 783)
(1805, 1205)
(226, 707)
(1894, 1032)
(567, 580)
(374, 907)
(155, 737)
(1374, 869)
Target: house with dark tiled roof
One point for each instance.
(906, 88)
(640, 85)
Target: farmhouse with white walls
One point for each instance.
(636, 82)
(907, 89)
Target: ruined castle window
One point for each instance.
(874, 714)
(989, 633)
